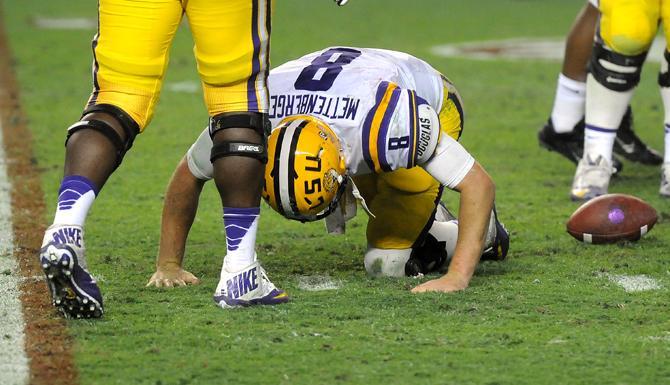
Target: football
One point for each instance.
(611, 218)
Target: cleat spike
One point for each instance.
(67, 272)
(45, 265)
(85, 301)
(65, 262)
(50, 276)
(92, 308)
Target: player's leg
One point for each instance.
(232, 47)
(564, 130)
(625, 33)
(664, 83)
(403, 202)
(127, 73)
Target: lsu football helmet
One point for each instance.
(306, 172)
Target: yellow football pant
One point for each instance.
(403, 200)
(629, 26)
(232, 50)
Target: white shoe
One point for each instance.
(665, 180)
(246, 287)
(592, 178)
(73, 289)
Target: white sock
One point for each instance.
(598, 143)
(446, 232)
(665, 95)
(569, 101)
(241, 227)
(75, 197)
(604, 111)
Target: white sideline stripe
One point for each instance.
(318, 283)
(635, 283)
(523, 48)
(13, 359)
(65, 23)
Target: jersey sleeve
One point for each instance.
(197, 157)
(401, 130)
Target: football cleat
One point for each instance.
(665, 181)
(631, 147)
(429, 257)
(341, 2)
(246, 287)
(570, 145)
(592, 178)
(73, 290)
(498, 250)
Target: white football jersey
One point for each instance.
(374, 100)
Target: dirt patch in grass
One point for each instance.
(48, 344)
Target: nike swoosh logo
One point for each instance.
(629, 148)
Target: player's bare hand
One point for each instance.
(447, 283)
(171, 276)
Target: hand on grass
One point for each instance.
(447, 283)
(170, 276)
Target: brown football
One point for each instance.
(611, 218)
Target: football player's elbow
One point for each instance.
(477, 179)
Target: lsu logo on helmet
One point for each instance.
(306, 171)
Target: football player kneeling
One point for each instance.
(377, 125)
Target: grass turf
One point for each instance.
(547, 315)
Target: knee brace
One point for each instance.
(258, 122)
(130, 128)
(615, 71)
(664, 75)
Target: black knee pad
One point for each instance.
(664, 77)
(130, 128)
(256, 121)
(615, 71)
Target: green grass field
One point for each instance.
(548, 315)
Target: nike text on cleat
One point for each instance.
(497, 251)
(631, 147)
(592, 178)
(570, 145)
(249, 286)
(71, 286)
(664, 190)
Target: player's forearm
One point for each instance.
(179, 209)
(477, 195)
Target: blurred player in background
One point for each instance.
(232, 49)
(373, 116)
(564, 130)
(626, 30)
